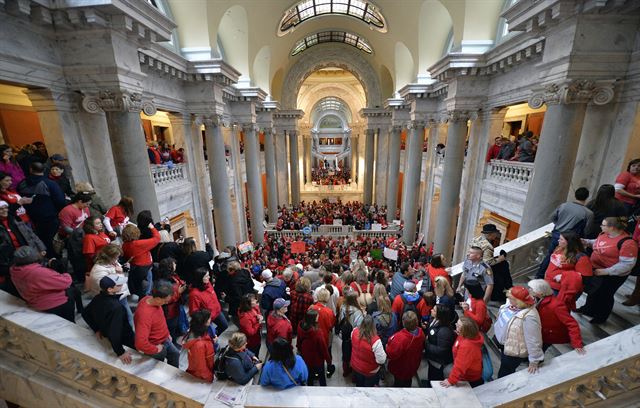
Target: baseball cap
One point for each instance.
(409, 286)
(3, 204)
(267, 274)
(58, 157)
(112, 280)
(521, 293)
(279, 303)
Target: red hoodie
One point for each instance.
(200, 352)
(250, 326)
(558, 326)
(404, 351)
(278, 326)
(312, 347)
(204, 299)
(138, 250)
(570, 288)
(478, 312)
(467, 359)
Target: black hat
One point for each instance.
(488, 228)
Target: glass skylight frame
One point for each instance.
(304, 10)
(338, 36)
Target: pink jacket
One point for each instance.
(42, 288)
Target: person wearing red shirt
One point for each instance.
(167, 271)
(93, 241)
(14, 199)
(250, 321)
(200, 349)
(437, 268)
(202, 296)
(404, 351)
(410, 296)
(467, 355)
(73, 215)
(138, 254)
(614, 255)
(558, 326)
(367, 353)
(571, 288)
(326, 321)
(475, 308)
(118, 216)
(569, 255)
(312, 347)
(152, 334)
(278, 325)
(628, 185)
(494, 150)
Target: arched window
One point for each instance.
(361, 9)
(331, 36)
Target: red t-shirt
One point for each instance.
(631, 185)
(92, 243)
(605, 250)
(12, 198)
(72, 217)
(151, 327)
(117, 216)
(14, 239)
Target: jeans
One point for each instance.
(319, 374)
(366, 381)
(402, 383)
(169, 352)
(509, 364)
(555, 236)
(221, 323)
(125, 303)
(137, 275)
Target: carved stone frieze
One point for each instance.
(576, 91)
(118, 101)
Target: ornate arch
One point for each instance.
(330, 55)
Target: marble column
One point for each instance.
(254, 182)
(382, 154)
(354, 158)
(131, 160)
(238, 180)
(393, 174)
(451, 177)
(307, 159)
(427, 201)
(225, 230)
(282, 161)
(188, 130)
(482, 133)
(412, 186)
(272, 176)
(368, 163)
(294, 167)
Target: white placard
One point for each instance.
(390, 254)
(376, 227)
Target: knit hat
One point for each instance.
(112, 280)
(409, 286)
(267, 274)
(521, 293)
(279, 303)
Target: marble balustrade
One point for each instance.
(164, 174)
(510, 171)
(336, 231)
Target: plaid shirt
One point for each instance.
(300, 303)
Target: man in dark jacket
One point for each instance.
(13, 234)
(108, 318)
(273, 289)
(240, 283)
(48, 200)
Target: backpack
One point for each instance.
(487, 365)
(409, 306)
(635, 271)
(220, 363)
(364, 298)
(345, 328)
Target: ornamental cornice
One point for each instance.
(573, 91)
(211, 121)
(118, 101)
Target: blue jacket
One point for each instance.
(48, 198)
(240, 366)
(276, 288)
(273, 374)
(397, 285)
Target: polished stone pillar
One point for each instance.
(412, 186)
(188, 130)
(307, 159)
(382, 154)
(483, 131)
(427, 200)
(282, 170)
(225, 230)
(272, 176)
(451, 178)
(131, 160)
(393, 174)
(294, 167)
(368, 163)
(254, 181)
(354, 158)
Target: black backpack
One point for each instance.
(345, 328)
(220, 363)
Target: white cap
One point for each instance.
(267, 274)
(4, 204)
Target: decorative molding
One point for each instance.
(247, 127)
(417, 124)
(118, 101)
(458, 116)
(574, 91)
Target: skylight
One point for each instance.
(331, 36)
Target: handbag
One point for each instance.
(487, 365)
(290, 376)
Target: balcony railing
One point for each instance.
(164, 175)
(510, 171)
(335, 231)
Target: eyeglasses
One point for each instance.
(603, 225)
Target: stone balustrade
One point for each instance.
(510, 171)
(164, 175)
(335, 231)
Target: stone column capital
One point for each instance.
(211, 121)
(460, 116)
(248, 127)
(267, 130)
(396, 129)
(118, 101)
(180, 118)
(573, 91)
(370, 132)
(415, 124)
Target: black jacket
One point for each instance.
(439, 342)
(197, 259)
(48, 198)
(105, 314)
(240, 283)
(25, 236)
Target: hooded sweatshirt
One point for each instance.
(42, 288)
(201, 353)
(404, 351)
(467, 359)
(274, 289)
(312, 347)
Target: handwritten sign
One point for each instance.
(391, 254)
(298, 247)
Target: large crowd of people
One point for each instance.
(330, 177)
(389, 314)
